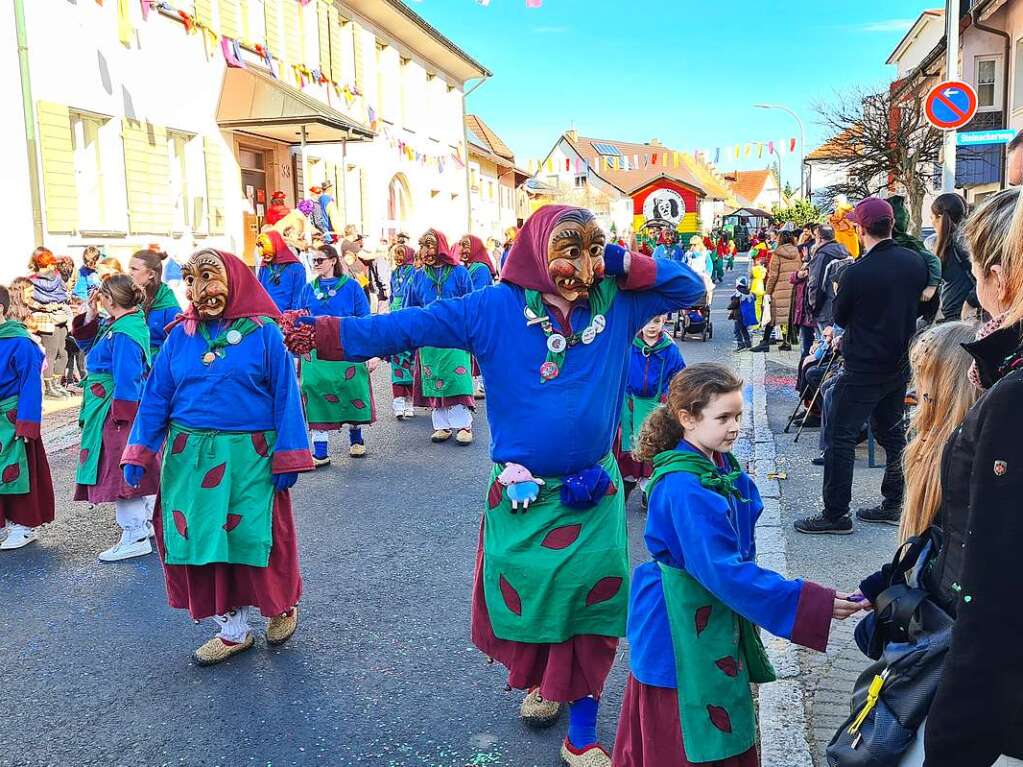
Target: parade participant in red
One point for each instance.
(278, 209)
(443, 379)
(118, 359)
(694, 609)
(551, 588)
(223, 405)
(26, 490)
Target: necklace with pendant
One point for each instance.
(558, 344)
(322, 294)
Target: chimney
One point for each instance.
(655, 142)
(572, 135)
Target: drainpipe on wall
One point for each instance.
(30, 123)
(465, 143)
(974, 18)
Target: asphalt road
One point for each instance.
(95, 667)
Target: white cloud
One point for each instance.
(888, 25)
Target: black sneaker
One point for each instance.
(820, 525)
(819, 460)
(880, 515)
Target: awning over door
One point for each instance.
(258, 104)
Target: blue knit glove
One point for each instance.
(284, 481)
(132, 474)
(614, 259)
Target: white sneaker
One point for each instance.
(410, 412)
(150, 530)
(128, 547)
(18, 536)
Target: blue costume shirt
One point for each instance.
(157, 320)
(711, 538)
(21, 365)
(552, 428)
(479, 275)
(284, 283)
(422, 288)
(118, 355)
(348, 301)
(651, 372)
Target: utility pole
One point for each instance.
(948, 169)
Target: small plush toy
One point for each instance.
(522, 486)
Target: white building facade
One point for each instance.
(175, 129)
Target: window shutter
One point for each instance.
(230, 18)
(204, 11)
(271, 10)
(58, 157)
(336, 48)
(292, 32)
(323, 35)
(214, 185)
(360, 63)
(147, 177)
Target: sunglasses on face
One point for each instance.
(318, 261)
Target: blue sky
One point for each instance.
(685, 71)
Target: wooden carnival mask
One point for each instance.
(428, 249)
(465, 248)
(575, 254)
(206, 284)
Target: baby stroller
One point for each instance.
(694, 321)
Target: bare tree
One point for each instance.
(883, 144)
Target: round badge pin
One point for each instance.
(208, 357)
(589, 335)
(599, 322)
(556, 343)
(549, 371)
(234, 337)
(530, 314)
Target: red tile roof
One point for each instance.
(486, 137)
(748, 184)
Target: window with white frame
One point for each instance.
(99, 172)
(254, 20)
(177, 144)
(988, 96)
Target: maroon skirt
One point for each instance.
(110, 485)
(435, 402)
(564, 672)
(401, 390)
(631, 469)
(214, 589)
(35, 507)
(650, 732)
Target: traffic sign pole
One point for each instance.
(948, 168)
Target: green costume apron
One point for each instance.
(216, 495)
(401, 364)
(14, 478)
(717, 651)
(98, 395)
(551, 572)
(445, 372)
(164, 299)
(335, 392)
(635, 408)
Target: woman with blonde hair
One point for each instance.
(977, 711)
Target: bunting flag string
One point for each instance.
(666, 160)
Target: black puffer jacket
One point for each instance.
(977, 713)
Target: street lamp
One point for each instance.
(802, 139)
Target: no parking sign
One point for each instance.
(951, 105)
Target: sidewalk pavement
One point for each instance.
(800, 713)
(60, 423)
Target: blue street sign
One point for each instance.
(979, 137)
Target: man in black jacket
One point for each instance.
(876, 304)
(827, 250)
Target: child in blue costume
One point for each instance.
(160, 305)
(88, 278)
(26, 490)
(694, 608)
(654, 360)
(549, 338)
(281, 273)
(223, 404)
(335, 393)
(402, 365)
(443, 376)
(482, 274)
(118, 359)
(742, 310)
